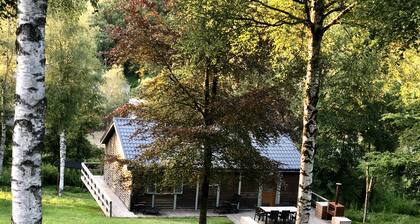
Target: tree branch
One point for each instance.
(338, 9)
(172, 77)
(300, 1)
(337, 19)
(288, 14)
(267, 24)
(329, 4)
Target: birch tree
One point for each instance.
(29, 112)
(316, 17)
(72, 76)
(62, 162)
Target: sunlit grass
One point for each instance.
(79, 207)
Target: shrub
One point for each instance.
(49, 176)
(387, 200)
(5, 176)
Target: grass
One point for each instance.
(79, 207)
(382, 217)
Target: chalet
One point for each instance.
(121, 141)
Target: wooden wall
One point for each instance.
(228, 187)
(289, 191)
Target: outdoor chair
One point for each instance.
(285, 216)
(151, 211)
(292, 217)
(259, 213)
(272, 217)
(141, 207)
(229, 206)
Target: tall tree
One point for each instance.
(115, 88)
(316, 17)
(72, 76)
(206, 98)
(29, 111)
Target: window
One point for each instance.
(156, 189)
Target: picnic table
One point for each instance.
(266, 210)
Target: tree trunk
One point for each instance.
(205, 185)
(29, 126)
(3, 125)
(308, 147)
(369, 183)
(62, 162)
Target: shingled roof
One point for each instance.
(281, 149)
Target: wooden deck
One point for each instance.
(115, 207)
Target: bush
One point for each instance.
(386, 200)
(49, 176)
(5, 176)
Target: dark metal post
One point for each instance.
(337, 192)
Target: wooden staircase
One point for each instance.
(103, 200)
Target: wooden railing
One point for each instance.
(101, 198)
(316, 197)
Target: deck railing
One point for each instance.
(316, 197)
(101, 198)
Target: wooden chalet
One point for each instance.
(122, 142)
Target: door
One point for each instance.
(268, 198)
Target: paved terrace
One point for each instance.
(120, 210)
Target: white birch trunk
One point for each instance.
(369, 183)
(62, 162)
(3, 133)
(3, 126)
(310, 112)
(29, 127)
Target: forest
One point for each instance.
(340, 77)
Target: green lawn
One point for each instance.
(80, 207)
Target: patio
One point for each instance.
(235, 218)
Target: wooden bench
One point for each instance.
(340, 220)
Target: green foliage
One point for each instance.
(351, 109)
(392, 201)
(106, 18)
(404, 85)
(7, 9)
(389, 21)
(49, 176)
(5, 176)
(115, 88)
(72, 80)
(399, 170)
(210, 98)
